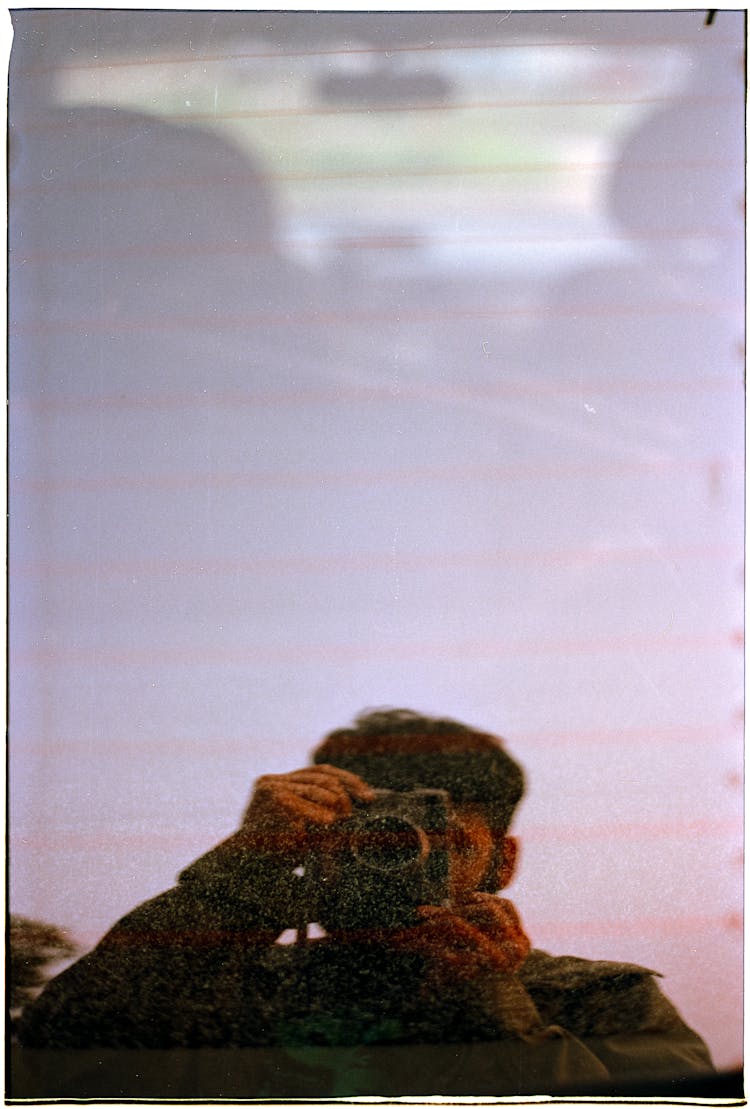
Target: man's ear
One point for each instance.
(508, 853)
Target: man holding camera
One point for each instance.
(408, 974)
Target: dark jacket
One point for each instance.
(194, 975)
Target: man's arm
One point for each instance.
(663, 1048)
(186, 968)
(620, 1014)
(256, 869)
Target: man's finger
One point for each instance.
(354, 785)
(329, 800)
(296, 806)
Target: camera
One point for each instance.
(376, 867)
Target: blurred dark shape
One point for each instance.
(154, 182)
(109, 203)
(675, 195)
(675, 171)
(154, 240)
(383, 86)
(33, 948)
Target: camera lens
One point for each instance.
(389, 843)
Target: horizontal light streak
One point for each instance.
(97, 655)
(390, 173)
(323, 479)
(346, 394)
(690, 829)
(196, 57)
(332, 242)
(110, 119)
(369, 561)
(323, 316)
(212, 746)
(160, 838)
(554, 932)
(642, 927)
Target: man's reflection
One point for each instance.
(416, 947)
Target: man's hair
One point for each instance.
(400, 749)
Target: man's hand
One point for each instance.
(480, 936)
(496, 918)
(471, 952)
(287, 811)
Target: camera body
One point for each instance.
(376, 867)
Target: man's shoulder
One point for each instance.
(574, 972)
(593, 997)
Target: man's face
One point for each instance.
(476, 852)
(471, 851)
